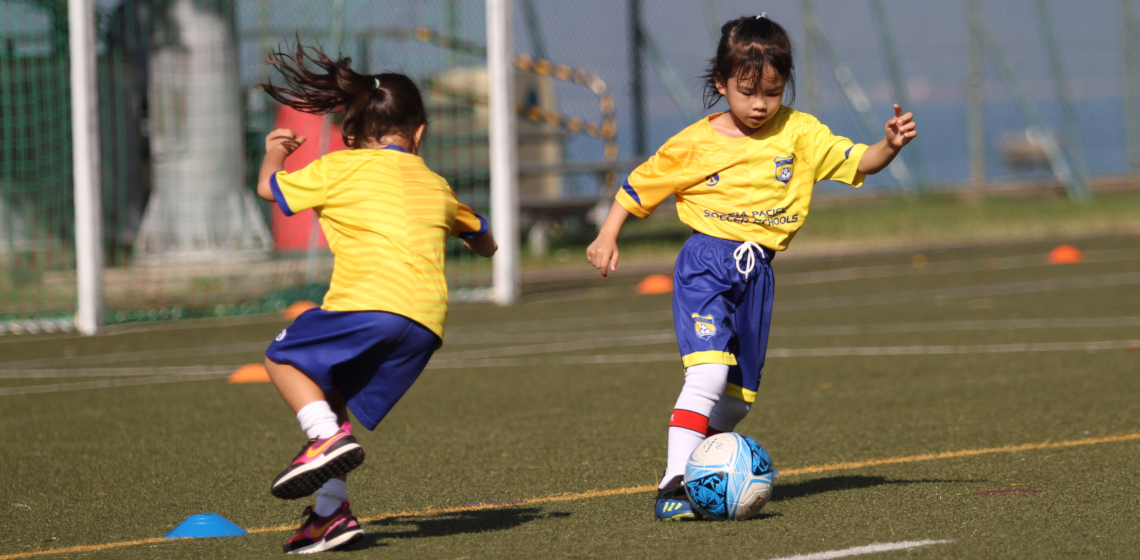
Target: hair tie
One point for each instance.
(377, 86)
(763, 15)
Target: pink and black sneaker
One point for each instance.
(318, 461)
(331, 532)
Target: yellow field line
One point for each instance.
(569, 497)
(955, 454)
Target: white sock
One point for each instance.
(727, 413)
(318, 420)
(330, 496)
(704, 385)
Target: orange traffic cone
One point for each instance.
(655, 284)
(250, 373)
(1065, 254)
(298, 307)
(295, 233)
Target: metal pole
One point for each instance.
(534, 30)
(975, 118)
(898, 82)
(712, 18)
(637, 88)
(810, 74)
(1068, 114)
(1130, 95)
(857, 98)
(85, 160)
(503, 145)
(673, 83)
(312, 256)
(1037, 130)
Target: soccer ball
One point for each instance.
(729, 476)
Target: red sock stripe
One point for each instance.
(713, 431)
(690, 420)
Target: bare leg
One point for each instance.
(295, 387)
(337, 404)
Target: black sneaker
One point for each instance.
(318, 461)
(331, 532)
(673, 504)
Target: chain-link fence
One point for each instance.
(1006, 92)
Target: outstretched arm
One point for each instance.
(900, 130)
(278, 145)
(603, 252)
(484, 245)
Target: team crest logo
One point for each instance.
(704, 326)
(712, 180)
(784, 168)
(281, 336)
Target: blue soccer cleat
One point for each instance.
(673, 504)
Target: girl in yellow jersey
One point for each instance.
(387, 218)
(742, 180)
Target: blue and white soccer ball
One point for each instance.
(729, 476)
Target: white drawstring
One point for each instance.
(745, 249)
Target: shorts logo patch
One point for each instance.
(704, 326)
(281, 336)
(784, 168)
(712, 180)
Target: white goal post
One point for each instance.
(85, 160)
(503, 147)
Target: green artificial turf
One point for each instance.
(125, 463)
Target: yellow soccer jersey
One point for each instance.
(387, 218)
(756, 188)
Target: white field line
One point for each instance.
(947, 267)
(1011, 288)
(103, 384)
(861, 550)
(113, 372)
(597, 342)
(616, 319)
(976, 291)
(799, 353)
(140, 355)
(823, 330)
(545, 337)
(944, 326)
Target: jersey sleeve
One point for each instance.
(655, 180)
(834, 158)
(302, 189)
(468, 224)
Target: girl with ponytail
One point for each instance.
(742, 180)
(387, 218)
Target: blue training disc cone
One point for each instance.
(205, 525)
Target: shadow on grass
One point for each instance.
(453, 524)
(785, 492)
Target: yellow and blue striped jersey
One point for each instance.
(757, 188)
(387, 218)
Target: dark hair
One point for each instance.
(371, 106)
(748, 45)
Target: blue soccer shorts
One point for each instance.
(721, 315)
(370, 357)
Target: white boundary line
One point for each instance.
(138, 356)
(860, 550)
(113, 372)
(1011, 288)
(781, 331)
(59, 387)
(943, 326)
(946, 267)
(446, 363)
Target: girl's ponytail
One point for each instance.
(747, 47)
(372, 106)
